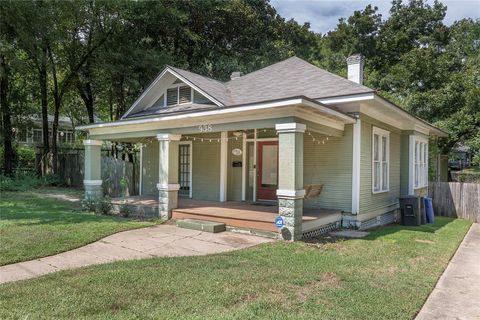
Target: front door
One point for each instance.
(267, 170)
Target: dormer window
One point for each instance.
(179, 95)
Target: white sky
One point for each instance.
(323, 15)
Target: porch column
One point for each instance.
(92, 172)
(168, 174)
(290, 180)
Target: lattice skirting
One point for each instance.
(381, 220)
(321, 230)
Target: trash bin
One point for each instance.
(410, 210)
(429, 210)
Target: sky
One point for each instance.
(323, 15)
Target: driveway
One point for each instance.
(457, 293)
(158, 241)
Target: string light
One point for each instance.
(315, 139)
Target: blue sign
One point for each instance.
(279, 222)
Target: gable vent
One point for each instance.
(185, 94)
(172, 96)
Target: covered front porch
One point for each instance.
(246, 216)
(245, 171)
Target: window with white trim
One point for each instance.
(380, 160)
(420, 158)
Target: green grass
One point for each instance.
(33, 225)
(385, 276)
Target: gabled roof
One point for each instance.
(213, 87)
(288, 78)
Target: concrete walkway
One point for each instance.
(158, 241)
(457, 293)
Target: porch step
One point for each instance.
(201, 225)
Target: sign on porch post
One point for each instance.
(279, 223)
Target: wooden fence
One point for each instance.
(456, 199)
(71, 170)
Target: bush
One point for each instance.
(20, 182)
(88, 205)
(125, 210)
(52, 180)
(99, 206)
(25, 157)
(103, 206)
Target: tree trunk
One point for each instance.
(56, 114)
(8, 152)
(86, 93)
(42, 78)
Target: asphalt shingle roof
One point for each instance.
(287, 78)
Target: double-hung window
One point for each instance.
(420, 158)
(380, 160)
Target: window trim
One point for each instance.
(423, 163)
(177, 86)
(381, 133)
(189, 143)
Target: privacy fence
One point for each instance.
(456, 199)
(71, 171)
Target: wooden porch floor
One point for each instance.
(237, 214)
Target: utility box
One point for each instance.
(411, 210)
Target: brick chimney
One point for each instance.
(355, 68)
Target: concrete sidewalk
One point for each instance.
(158, 241)
(457, 293)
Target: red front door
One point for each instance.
(267, 170)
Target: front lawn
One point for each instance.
(385, 276)
(40, 223)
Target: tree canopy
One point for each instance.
(85, 58)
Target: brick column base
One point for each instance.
(167, 200)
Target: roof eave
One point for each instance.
(291, 101)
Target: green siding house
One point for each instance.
(268, 138)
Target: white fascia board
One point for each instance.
(348, 99)
(144, 93)
(246, 108)
(326, 110)
(418, 124)
(160, 76)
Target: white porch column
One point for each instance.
(167, 174)
(92, 172)
(290, 180)
(357, 142)
(223, 165)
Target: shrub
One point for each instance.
(20, 182)
(123, 187)
(103, 206)
(52, 180)
(25, 157)
(88, 205)
(125, 210)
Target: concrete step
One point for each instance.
(201, 225)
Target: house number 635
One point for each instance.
(205, 128)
